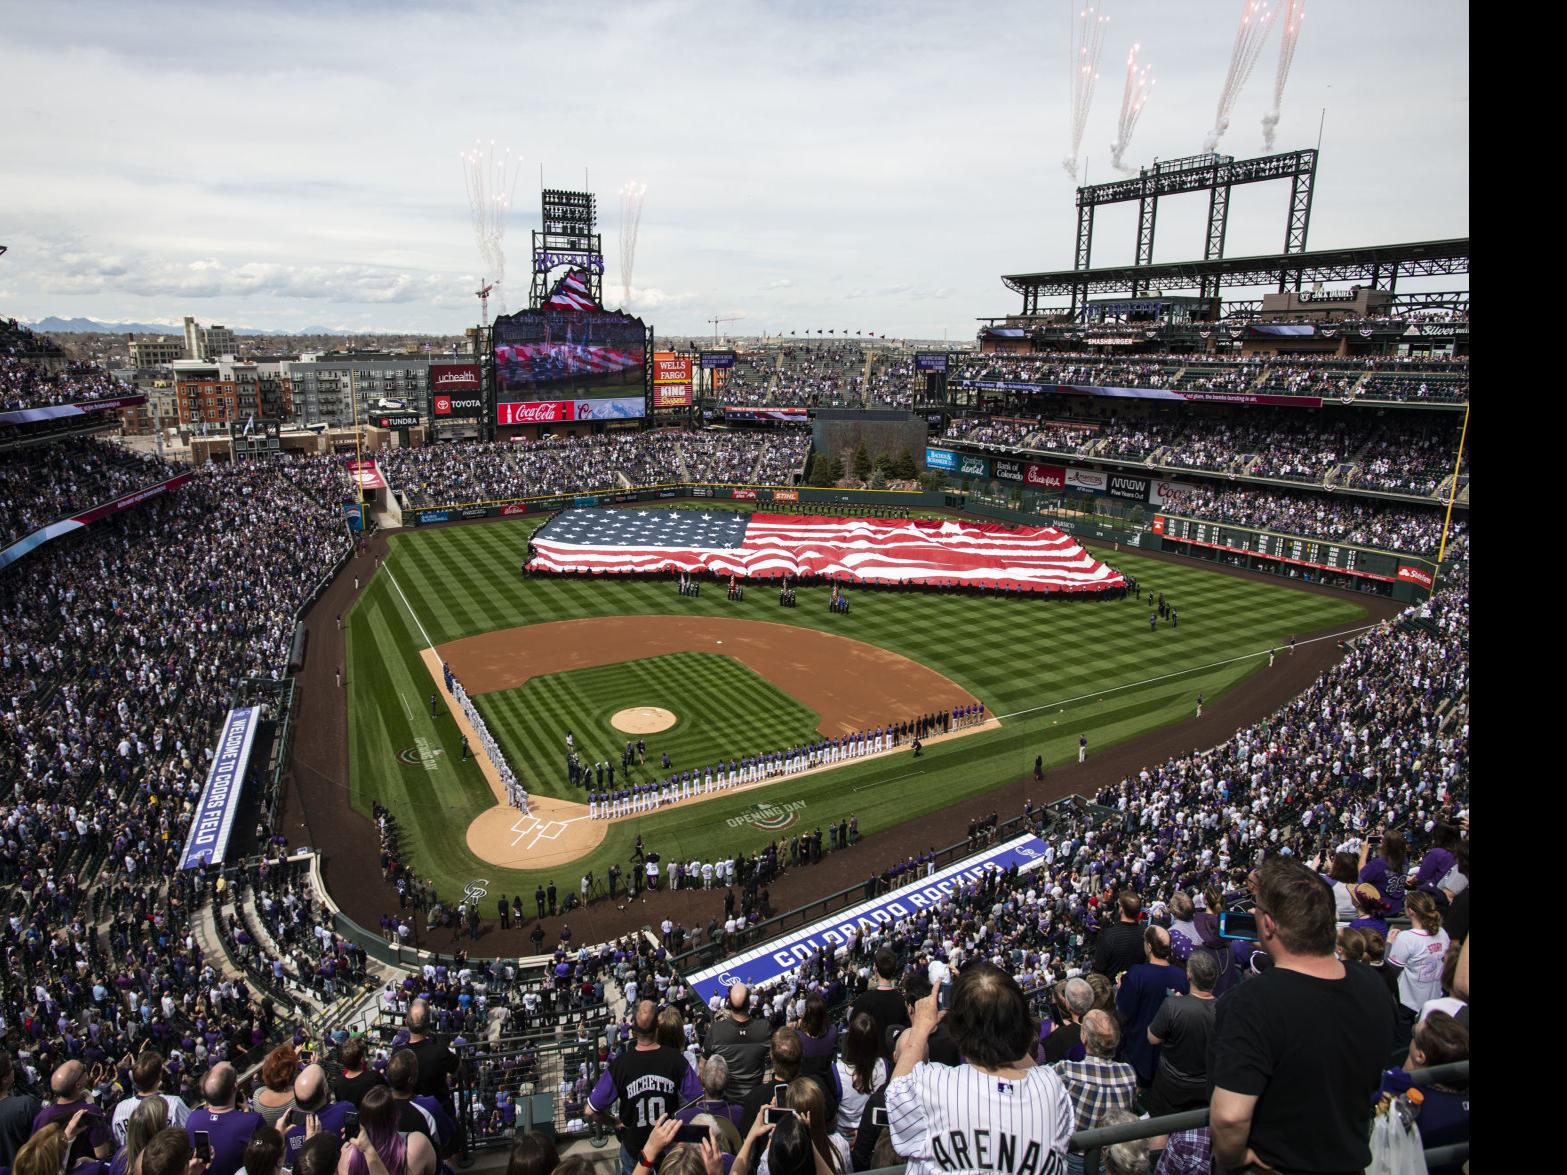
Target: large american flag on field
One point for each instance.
(864, 550)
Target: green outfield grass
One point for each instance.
(719, 705)
(1052, 669)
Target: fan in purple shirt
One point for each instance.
(228, 1128)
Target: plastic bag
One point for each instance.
(1396, 1148)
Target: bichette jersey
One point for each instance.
(956, 1118)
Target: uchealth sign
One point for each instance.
(783, 956)
(1045, 477)
(455, 390)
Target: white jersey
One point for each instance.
(946, 1118)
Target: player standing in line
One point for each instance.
(1082, 748)
(1199, 705)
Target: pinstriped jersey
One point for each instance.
(957, 1118)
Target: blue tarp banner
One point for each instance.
(214, 819)
(781, 956)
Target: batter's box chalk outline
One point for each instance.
(541, 830)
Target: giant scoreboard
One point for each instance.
(1282, 548)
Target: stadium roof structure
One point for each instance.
(1379, 266)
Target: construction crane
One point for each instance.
(716, 321)
(483, 294)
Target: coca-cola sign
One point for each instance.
(1046, 477)
(535, 412)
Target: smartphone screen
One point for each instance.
(772, 1115)
(296, 1117)
(691, 1133)
(878, 1115)
(1238, 926)
(204, 1146)
(944, 996)
(781, 1091)
(351, 1124)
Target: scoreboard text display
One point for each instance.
(1282, 548)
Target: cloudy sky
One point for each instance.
(869, 165)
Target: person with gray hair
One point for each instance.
(436, 1061)
(1098, 1083)
(715, 1076)
(1124, 1158)
(1072, 999)
(1181, 1029)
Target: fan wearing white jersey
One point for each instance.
(996, 1112)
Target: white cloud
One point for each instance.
(791, 166)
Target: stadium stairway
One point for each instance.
(204, 929)
(299, 991)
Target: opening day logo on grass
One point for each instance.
(769, 817)
(421, 754)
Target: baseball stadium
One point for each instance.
(581, 743)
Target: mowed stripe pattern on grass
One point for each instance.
(722, 709)
(1014, 654)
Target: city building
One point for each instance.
(159, 352)
(207, 342)
(209, 393)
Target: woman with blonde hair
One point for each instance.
(151, 1116)
(46, 1152)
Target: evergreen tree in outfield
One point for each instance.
(903, 466)
(862, 462)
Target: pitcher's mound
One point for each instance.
(642, 720)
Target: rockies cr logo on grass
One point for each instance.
(769, 817)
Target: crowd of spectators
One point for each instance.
(1437, 379)
(480, 471)
(1363, 778)
(34, 372)
(41, 483)
(1316, 516)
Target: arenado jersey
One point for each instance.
(946, 1118)
(649, 1083)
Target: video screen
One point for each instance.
(556, 354)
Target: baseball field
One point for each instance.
(546, 656)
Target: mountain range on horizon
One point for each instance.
(56, 325)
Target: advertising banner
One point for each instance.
(1008, 385)
(1417, 575)
(366, 475)
(671, 396)
(426, 516)
(1163, 490)
(669, 368)
(717, 360)
(782, 956)
(82, 408)
(513, 508)
(536, 412)
(214, 818)
(971, 466)
(1133, 489)
(1045, 477)
(930, 361)
(786, 495)
(940, 459)
(744, 495)
(1009, 470)
(474, 512)
(619, 408)
(740, 412)
(397, 420)
(1091, 480)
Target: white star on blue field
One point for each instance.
(640, 528)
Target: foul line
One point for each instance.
(428, 642)
(1181, 673)
(894, 779)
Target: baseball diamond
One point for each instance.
(456, 590)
